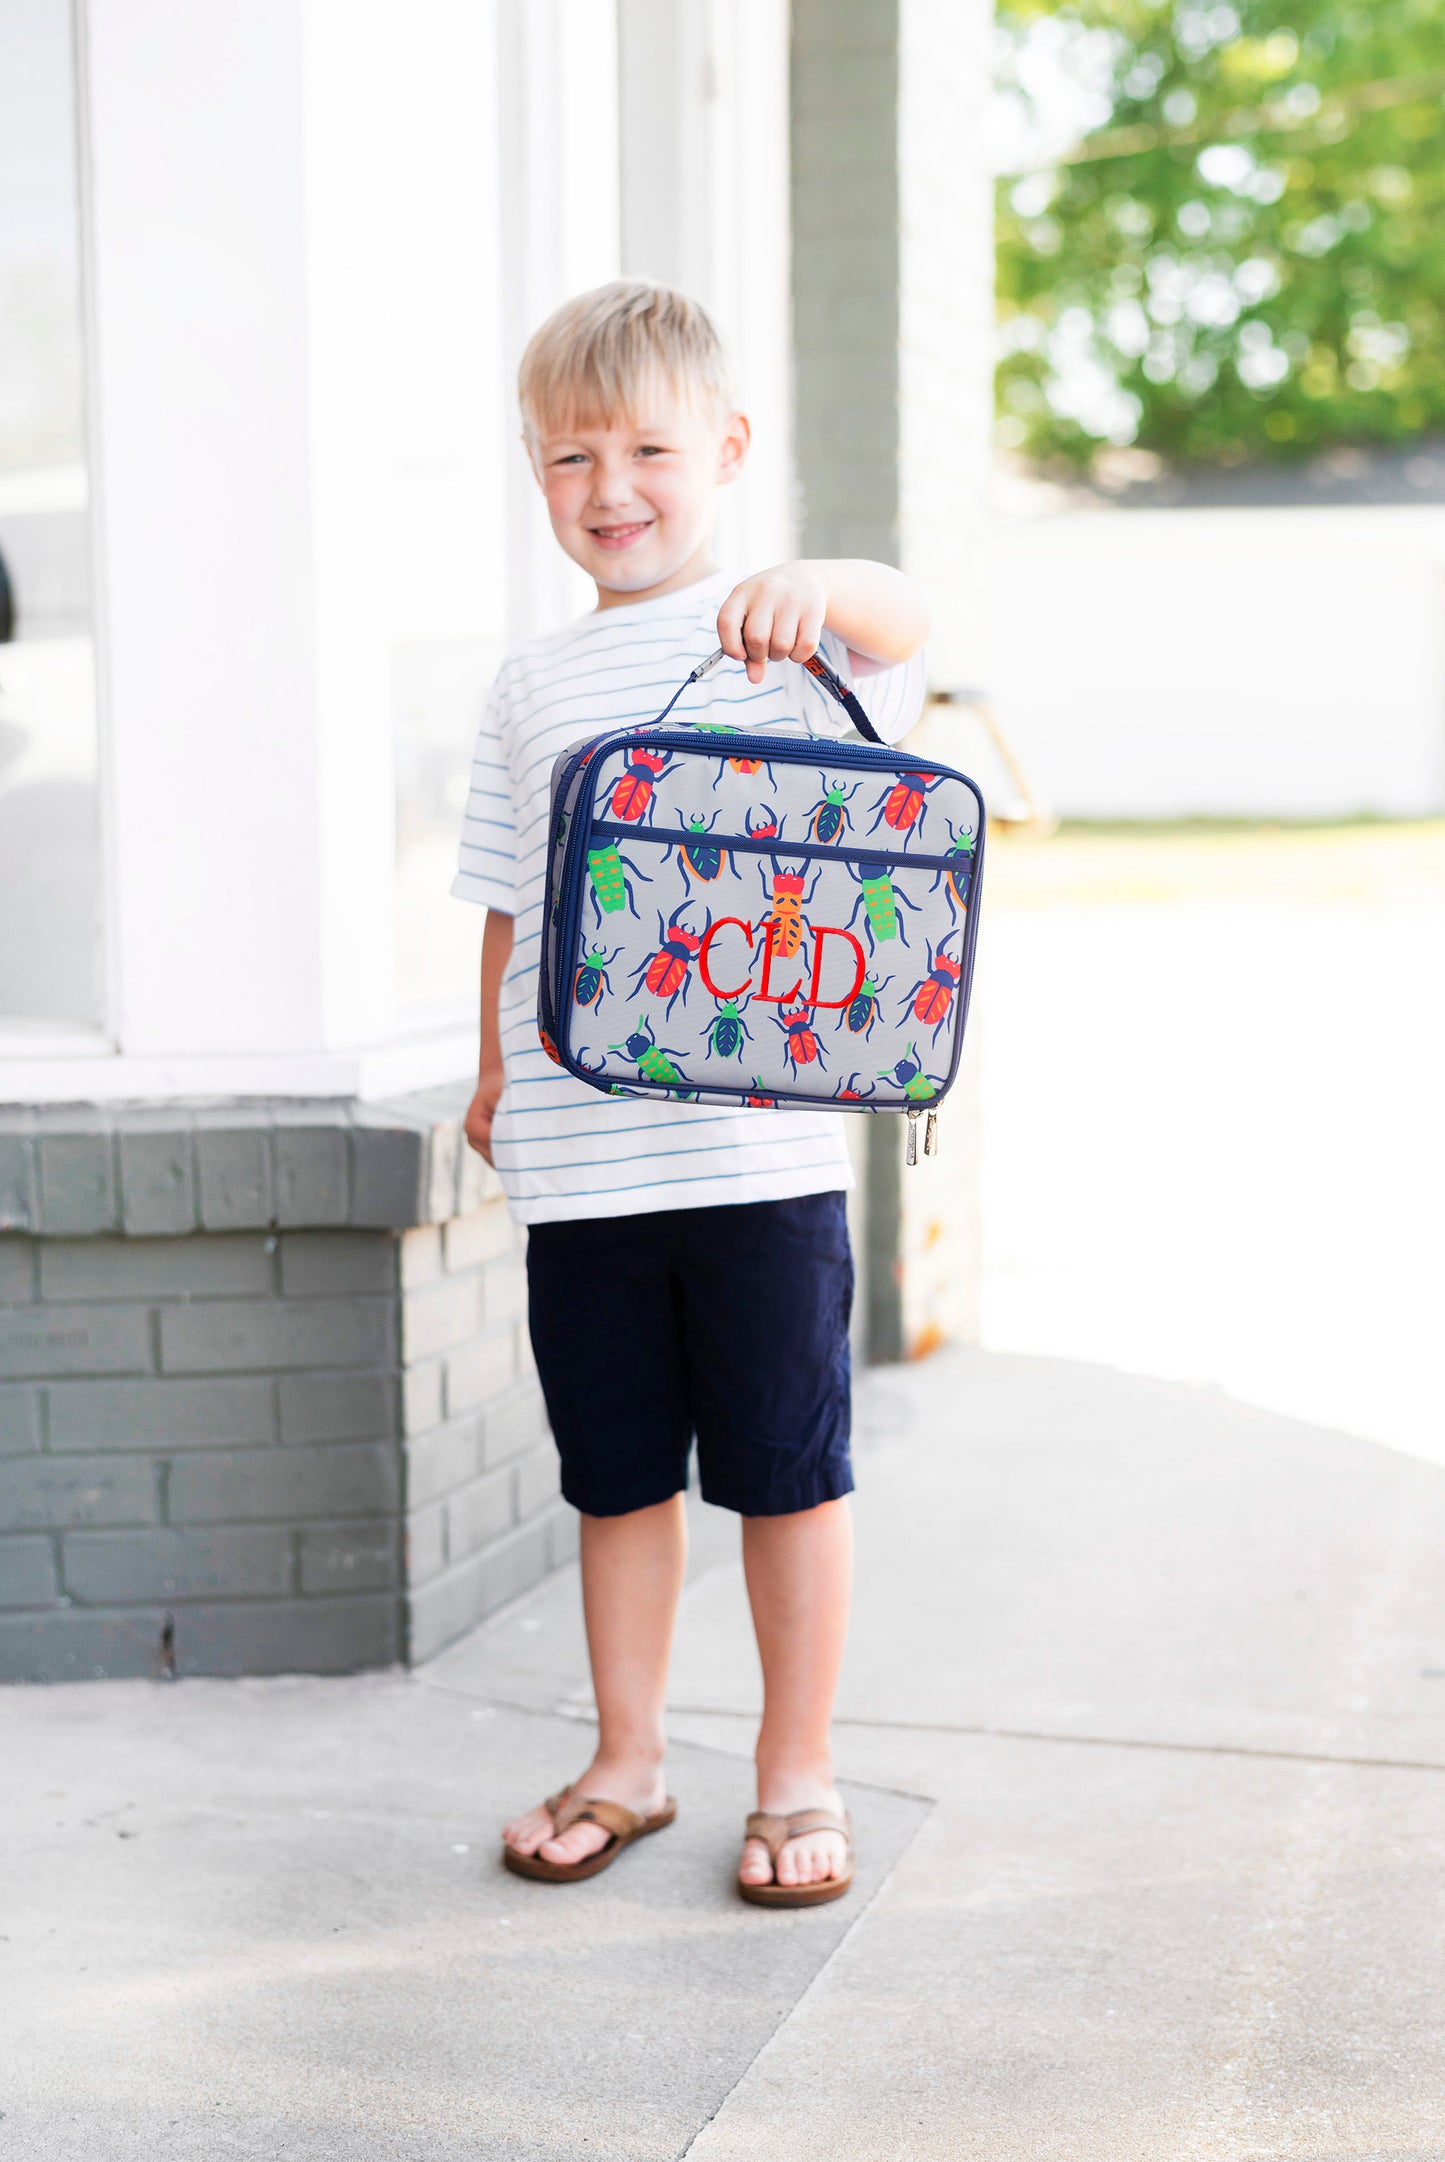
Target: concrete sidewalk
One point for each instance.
(1145, 1724)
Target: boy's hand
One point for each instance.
(776, 615)
(477, 1124)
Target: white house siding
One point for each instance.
(1260, 663)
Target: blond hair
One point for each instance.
(592, 360)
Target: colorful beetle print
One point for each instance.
(932, 997)
(611, 890)
(701, 858)
(769, 826)
(800, 1046)
(828, 820)
(762, 1103)
(910, 1077)
(614, 1088)
(862, 1011)
(632, 794)
(851, 1093)
(901, 806)
(652, 1059)
(667, 972)
(739, 765)
(590, 983)
(549, 1047)
(728, 1031)
(785, 919)
(881, 901)
(954, 876)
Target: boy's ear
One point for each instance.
(733, 450)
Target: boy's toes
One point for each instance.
(808, 1858)
(811, 1858)
(789, 1857)
(525, 1834)
(755, 1866)
(832, 1857)
(575, 1844)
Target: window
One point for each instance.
(50, 880)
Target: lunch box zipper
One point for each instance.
(757, 844)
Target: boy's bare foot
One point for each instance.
(810, 1857)
(638, 1784)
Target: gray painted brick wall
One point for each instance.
(484, 1518)
(846, 257)
(845, 212)
(266, 1398)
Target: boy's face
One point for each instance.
(632, 501)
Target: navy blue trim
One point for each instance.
(818, 668)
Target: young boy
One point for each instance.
(688, 1266)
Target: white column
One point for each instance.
(209, 661)
(244, 661)
(346, 55)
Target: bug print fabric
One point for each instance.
(760, 919)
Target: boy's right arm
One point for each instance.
(496, 952)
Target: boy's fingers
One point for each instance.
(785, 634)
(730, 623)
(755, 628)
(810, 630)
(477, 1126)
(757, 639)
(758, 629)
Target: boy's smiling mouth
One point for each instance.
(620, 536)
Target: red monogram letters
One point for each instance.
(821, 932)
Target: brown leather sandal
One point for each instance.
(775, 1832)
(569, 1807)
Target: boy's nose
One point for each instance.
(610, 487)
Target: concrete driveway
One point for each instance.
(1144, 1726)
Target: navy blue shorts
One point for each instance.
(728, 1323)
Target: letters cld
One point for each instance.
(821, 932)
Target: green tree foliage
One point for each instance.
(1248, 258)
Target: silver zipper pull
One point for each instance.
(910, 1153)
(930, 1134)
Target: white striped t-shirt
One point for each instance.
(562, 1149)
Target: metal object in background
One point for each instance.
(1025, 811)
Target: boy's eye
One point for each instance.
(651, 450)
